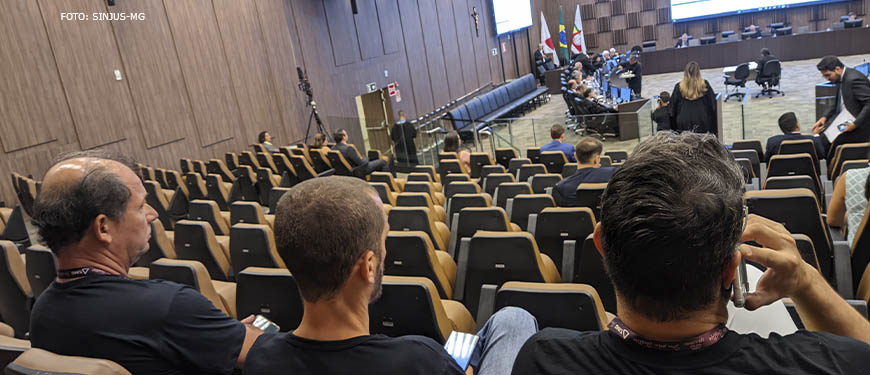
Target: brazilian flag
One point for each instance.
(563, 40)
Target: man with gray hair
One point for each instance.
(331, 234)
(91, 212)
(673, 231)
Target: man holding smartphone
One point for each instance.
(331, 233)
(852, 107)
(672, 224)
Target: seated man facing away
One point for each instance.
(91, 212)
(331, 233)
(661, 116)
(671, 225)
(791, 130)
(589, 171)
(366, 167)
(557, 133)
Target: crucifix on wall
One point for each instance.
(476, 17)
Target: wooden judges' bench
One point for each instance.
(785, 48)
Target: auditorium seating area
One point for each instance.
(509, 100)
(462, 244)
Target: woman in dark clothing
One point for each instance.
(693, 103)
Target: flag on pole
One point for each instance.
(547, 41)
(578, 40)
(563, 40)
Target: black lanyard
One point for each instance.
(618, 328)
(74, 273)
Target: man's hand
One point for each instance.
(849, 126)
(786, 272)
(819, 125)
(249, 320)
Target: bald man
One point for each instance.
(91, 212)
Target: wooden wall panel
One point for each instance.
(509, 62)
(391, 26)
(342, 33)
(464, 36)
(206, 74)
(368, 30)
(87, 57)
(415, 51)
(279, 35)
(450, 45)
(495, 66)
(524, 52)
(434, 52)
(249, 67)
(30, 89)
(480, 47)
(153, 73)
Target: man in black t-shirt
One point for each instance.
(671, 222)
(331, 234)
(91, 212)
(661, 116)
(589, 171)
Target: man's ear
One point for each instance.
(368, 266)
(101, 227)
(596, 237)
(730, 271)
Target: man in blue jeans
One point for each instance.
(330, 232)
(557, 133)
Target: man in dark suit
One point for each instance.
(683, 42)
(403, 134)
(765, 57)
(543, 63)
(791, 130)
(853, 97)
(361, 166)
(636, 68)
(589, 170)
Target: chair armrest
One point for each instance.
(843, 269)
(859, 305)
(533, 223)
(569, 248)
(462, 269)
(549, 190)
(326, 173)
(509, 207)
(454, 231)
(486, 305)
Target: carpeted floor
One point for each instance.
(751, 118)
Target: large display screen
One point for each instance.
(511, 15)
(685, 10)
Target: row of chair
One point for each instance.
(514, 97)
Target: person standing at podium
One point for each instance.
(693, 103)
(636, 68)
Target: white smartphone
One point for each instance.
(741, 284)
(461, 346)
(265, 325)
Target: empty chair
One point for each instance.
(589, 195)
(266, 180)
(492, 181)
(419, 219)
(463, 187)
(428, 169)
(554, 161)
(746, 168)
(793, 182)
(196, 188)
(421, 200)
(799, 211)
(244, 186)
(38, 361)
(274, 196)
(455, 177)
(396, 185)
(340, 164)
(15, 292)
(527, 171)
(285, 170)
(412, 254)
(303, 169)
(617, 156)
(478, 160)
(218, 191)
(425, 187)
(253, 245)
(232, 160)
(807, 250)
(266, 161)
(549, 304)
(498, 257)
(200, 168)
(160, 245)
(173, 179)
(534, 154)
(472, 219)
(508, 190)
(749, 144)
(794, 165)
(515, 164)
(753, 157)
(487, 170)
(186, 165)
(504, 156)
(248, 158)
(424, 177)
(449, 166)
(387, 196)
(218, 167)
(208, 211)
(195, 240)
(553, 226)
(250, 213)
(524, 205)
(589, 269)
(271, 292)
(157, 199)
(800, 146)
(540, 182)
(461, 200)
(41, 267)
(411, 306)
(849, 151)
(192, 273)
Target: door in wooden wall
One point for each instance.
(375, 119)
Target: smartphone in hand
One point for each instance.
(741, 284)
(265, 324)
(461, 346)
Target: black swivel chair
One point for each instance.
(738, 81)
(768, 78)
